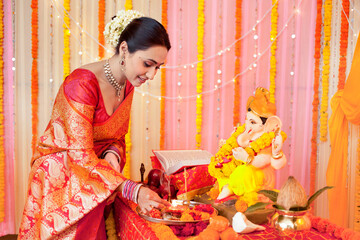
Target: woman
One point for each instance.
(76, 168)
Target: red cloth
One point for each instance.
(197, 178)
(129, 225)
(271, 234)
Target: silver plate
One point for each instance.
(173, 222)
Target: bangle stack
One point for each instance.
(130, 190)
(111, 151)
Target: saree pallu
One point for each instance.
(68, 180)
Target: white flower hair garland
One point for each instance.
(114, 28)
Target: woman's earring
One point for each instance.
(122, 64)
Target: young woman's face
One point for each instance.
(142, 65)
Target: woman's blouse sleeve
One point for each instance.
(82, 86)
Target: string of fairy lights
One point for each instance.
(221, 52)
(292, 74)
(253, 30)
(256, 43)
(179, 74)
(219, 67)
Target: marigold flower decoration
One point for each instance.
(115, 27)
(128, 5)
(164, 22)
(34, 73)
(315, 103)
(343, 43)
(66, 30)
(236, 110)
(273, 34)
(200, 72)
(326, 71)
(101, 16)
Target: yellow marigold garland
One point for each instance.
(110, 226)
(273, 34)
(226, 152)
(2, 149)
(236, 110)
(343, 43)
(200, 71)
(128, 5)
(101, 27)
(66, 29)
(128, 144)
(224, 163)
(164, 21)
(325, 71)
(34, 72)
(126, 171)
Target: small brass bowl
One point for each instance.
(290, 221)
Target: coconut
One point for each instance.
(292, 194)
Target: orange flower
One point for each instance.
(241, 205)
(101, 27)
(315, 102)
(164, 21)
(343, 43)
(236, 109)
(34, 72)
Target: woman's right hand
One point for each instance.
(113, 160)
(147, 199)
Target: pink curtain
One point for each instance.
(294, 78)
(8, 225)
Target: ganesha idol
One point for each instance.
(247, 161)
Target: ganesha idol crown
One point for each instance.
(260, 103)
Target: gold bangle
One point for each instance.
(280, 155)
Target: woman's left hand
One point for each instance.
(113, 160)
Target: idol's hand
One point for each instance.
(147, 199)
(240, 154)
(277, 144)
(113, 160)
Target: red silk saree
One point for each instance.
(68, 182)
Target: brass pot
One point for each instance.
(290, 221)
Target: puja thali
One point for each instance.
(174, 215)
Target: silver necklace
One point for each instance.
(110, 77)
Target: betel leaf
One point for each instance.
(256, 206)
(315, 195)
(278, 206)
(272, 195)
(298, 208)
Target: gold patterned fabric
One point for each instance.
(67, 178)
